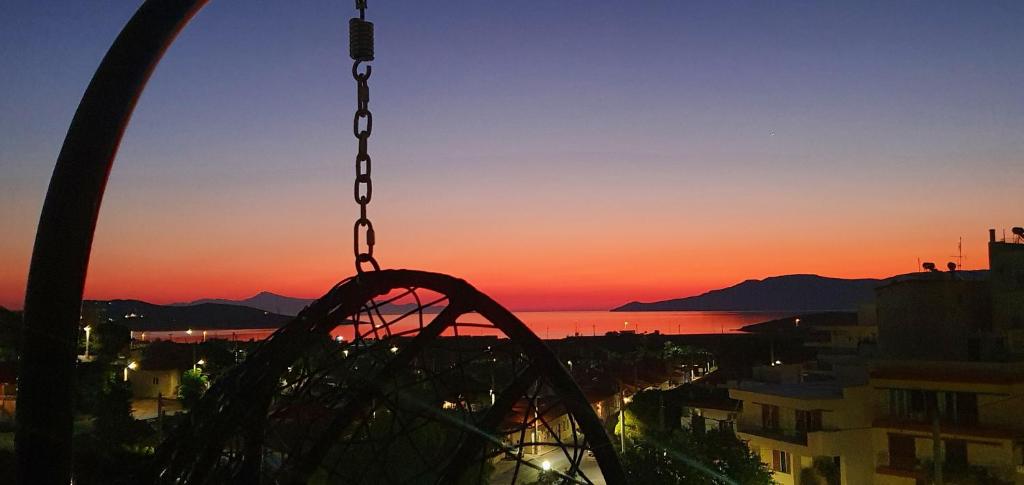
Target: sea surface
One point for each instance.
(547, 325)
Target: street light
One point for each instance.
(546, 465)
(131, 366)
(88, 330)
(189, 333)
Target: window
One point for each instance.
(956, 453)
(769, 416)
(909, 404)
(902, 453)
(966, 408)
(780, 461)
(807, 421)
(917, 405)
(156, 381)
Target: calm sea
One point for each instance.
(554, 324)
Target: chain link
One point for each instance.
(362, 127)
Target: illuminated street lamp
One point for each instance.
(198, 363)
(131, 366)
(88, 331)
(189, 333)
(546, 465)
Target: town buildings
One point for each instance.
(929, 383)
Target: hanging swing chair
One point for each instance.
(393, 376)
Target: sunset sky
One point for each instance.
(557, 155)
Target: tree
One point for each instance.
(684, 457)
(193, 384)
(546, 478)
(662, 452)
(109, 341)
(114, 422)
(824, 471)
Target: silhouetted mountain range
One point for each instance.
(264, 300)
(787, 293)
(139, 315)
(797, 293)
(291, 306)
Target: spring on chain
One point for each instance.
(360, 40)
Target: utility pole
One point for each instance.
(622, 421)
(661, 410)
(936, 440)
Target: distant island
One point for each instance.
(788, 293)
(264, 300)
(794, 293)
(264, 310)
(291, 306)
(142, 316)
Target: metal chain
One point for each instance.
(361, 50)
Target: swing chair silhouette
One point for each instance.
(404, 397)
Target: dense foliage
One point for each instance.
(193, 384)
(660, 452)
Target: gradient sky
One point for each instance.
(569, 154)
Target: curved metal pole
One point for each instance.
(53, 298)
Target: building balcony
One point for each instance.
(783, 435)
(949, 429)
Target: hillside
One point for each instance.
(796, 293)
(139, 315)
(290, 306)
(265, 300)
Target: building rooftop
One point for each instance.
(800, 390)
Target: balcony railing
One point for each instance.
(788, 435)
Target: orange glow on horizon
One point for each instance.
(565, 277)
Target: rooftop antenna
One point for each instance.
(959, 253)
